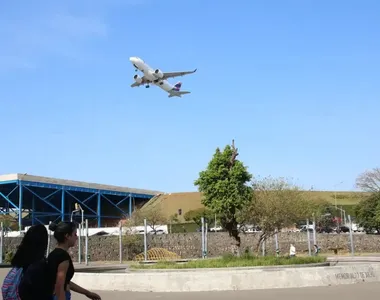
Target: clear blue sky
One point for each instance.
(296, 83)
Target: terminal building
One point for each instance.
(34, 199)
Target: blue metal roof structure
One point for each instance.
(35, 199)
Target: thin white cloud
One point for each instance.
(15, 62)
(52, 29)
(77, 27)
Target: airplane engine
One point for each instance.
(158, 73)
(137, 78)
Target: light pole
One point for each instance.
(335, 185)
(78, 208)
(344, 214)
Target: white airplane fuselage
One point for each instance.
(140, 65)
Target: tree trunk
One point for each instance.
(235, 235)
(231, 227)
(261, 239)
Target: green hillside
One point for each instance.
(170, 204)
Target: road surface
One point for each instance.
(346, 292)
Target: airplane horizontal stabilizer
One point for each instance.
(178, 94)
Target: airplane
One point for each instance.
(158, 78)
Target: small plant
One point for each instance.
(8, 256)
(230, 261)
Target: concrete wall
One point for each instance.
(188, 245)
(237, 279)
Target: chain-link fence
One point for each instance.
(149, 243)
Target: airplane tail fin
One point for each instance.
(176, 90)
(177, 86)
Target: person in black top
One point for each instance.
(31, 250)
(60, 264)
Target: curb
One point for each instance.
(355, 258)
(229, 280)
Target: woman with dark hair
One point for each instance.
(61, 265)
(32, 247)
(31, 250)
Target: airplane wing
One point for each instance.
(176, 74)
(135, 84)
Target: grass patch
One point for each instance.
(230, 261)
(184, 227)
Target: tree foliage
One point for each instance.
(276, 204)
(196, 215)
(154, 217)
(327, 220)
(368, 213)
(173, 218)
(369, 181)
(9, 223)
(224, 187)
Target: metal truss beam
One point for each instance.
(58, 211)
(44, 199)
(15, 208)
(116, 205)
(84, 190)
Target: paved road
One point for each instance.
(346, 292)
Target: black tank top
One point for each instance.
(56, 257)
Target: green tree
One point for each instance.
(368, 213)
(195, 215)
(173, 219)
(9, 223)
(324, 212)
(224, 187)
(369, 181)
(276, 204)
(154, 217)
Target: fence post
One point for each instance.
(263, 247)
(206, 242)
(314, 232)
(120, 244)
(1, 242)
(276, 243)
(308, 236)
(86, 243)
(203, 236)
(351, 237)
(145, 242)
(79, 244)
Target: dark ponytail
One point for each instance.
(61, 229)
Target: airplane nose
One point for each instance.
(134, 59)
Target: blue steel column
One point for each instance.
(98, 211)
(130, 205)
(63, 205)
(20, 206)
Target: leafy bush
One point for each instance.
(8, 257)
(245, 260)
